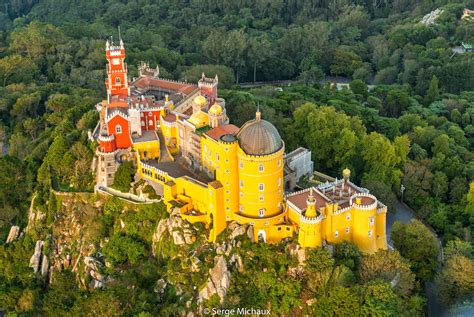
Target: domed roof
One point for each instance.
(259, 137)
(200, 100)
(199, 119)
(215, 109)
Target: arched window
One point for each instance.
(260, 167)
(260, 187)
(336, 234)
(370, 233)
(118, 129)
(261, 212)
(117, 80)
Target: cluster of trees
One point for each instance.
(376, 41)
(386, 136)
(414, 127)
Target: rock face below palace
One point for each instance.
(211, 172)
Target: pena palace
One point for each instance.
(181, 142)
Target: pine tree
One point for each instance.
(432, 94)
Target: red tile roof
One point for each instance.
(299, 200)
(147, 83)
(221, 130)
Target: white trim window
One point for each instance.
(261, 212)
(371, 221)
(260, 168)
(336, 234)
(348, 217)
(347, 229)
(370, 233)
(118, 129)
(261, 186)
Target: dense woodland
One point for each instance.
(407, 118)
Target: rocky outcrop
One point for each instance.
(93, 267)
(236, 230)
(35, 259)
(431, 17)
(298, 252)
(218, 281)
(44, 266)
(178, 229)
(13, 234)
(236, 259)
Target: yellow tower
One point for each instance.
(309, 234)
(364, 209)
(260, 170)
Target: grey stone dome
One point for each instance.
(259, 137)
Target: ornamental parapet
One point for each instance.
(370, 205)
(343, 210)
(113, 113)
(105, 154)
(106, 138)
(311, 221)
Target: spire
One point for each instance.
(310, 205)
(216, 78)
(258, 115)
(203, 76)
(107, 45)
(120, 38)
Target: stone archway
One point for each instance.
(261, 236)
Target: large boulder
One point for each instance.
(218, 281)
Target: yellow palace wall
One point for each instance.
(220, 159)
(251, 175)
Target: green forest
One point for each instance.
(403, 118)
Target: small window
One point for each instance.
(150, 114)
(118, 129)
(227, 149)
(150, 122)
(117, 80)
(371, 221)
(227, 171)
(279, 163)
(217, 157)
(336, 234)
(348, 217)
(241, 194)
(261, 198)
(260, 167)
(279, 228)
(261, 212)
(143, 123)
(279, 181)
(370, 233)
(347, 229)
(241, 164)
(227, 192)
(241, 184)
(260, 187)
(241, 208)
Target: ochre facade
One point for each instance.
(214, 172)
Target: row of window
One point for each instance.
(336, 233)
(261, 167)
(261, 186)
